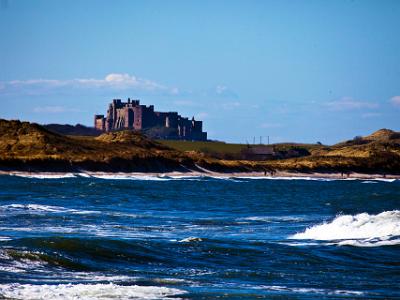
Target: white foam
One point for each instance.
(85, 175)
(183, 176)
(361, 230)
(130, 177)
(385, 179)
(38, 208)
(308, 178)
(84, 277)
(376, 180)
(268, 219)
(22, 265)
(188, 178)
(44, 175)
(306, 290)
(85, 291)
(190, 240)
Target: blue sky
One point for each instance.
(301, 71)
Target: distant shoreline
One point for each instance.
(26, 147)
(176, 175)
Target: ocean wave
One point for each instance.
(288, 178)
(362, 230)
(44, 175)
(21, 261)
(190, 240)
(384, 179)
(39, 208)
(306, 290)
(188, 177)
(130, 177)
(269, 219)
(193, 177)
(85, 291)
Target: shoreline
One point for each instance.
(205, 173)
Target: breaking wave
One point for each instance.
(130, 177)
(361, 230)
(187, 177)
(44, 175)
(85, 291)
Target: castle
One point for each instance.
(133, 115)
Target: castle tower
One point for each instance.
(132, 115)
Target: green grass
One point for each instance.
(219, 147)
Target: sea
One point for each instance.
(80, 236)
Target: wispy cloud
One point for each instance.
(112, 81)
(348, 103)
(371, 115)
(224, 91)
(54, 109)
(395, 101)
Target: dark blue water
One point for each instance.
(198, 238)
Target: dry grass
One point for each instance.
(24, 145)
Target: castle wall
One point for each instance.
(132, 115)
(99, 122)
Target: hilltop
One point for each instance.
(378, 152)
(30, 147)
(78, 129)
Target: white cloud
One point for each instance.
(115, 77)
(49, 82)
(54, 109)
(120, 81)
(348, 103)
(112, 81)
(395, 101)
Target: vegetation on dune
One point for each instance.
(26, 146)
(378, 152)
(77, 129)
(229, 151)
(204, 147)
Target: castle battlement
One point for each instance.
(133, 115)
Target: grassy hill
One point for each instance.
(230, 151)
(27, 146)
(30, 146)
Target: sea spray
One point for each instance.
(357, 229)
